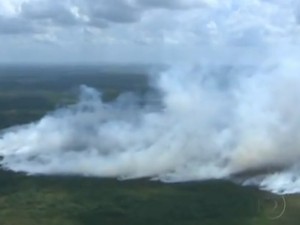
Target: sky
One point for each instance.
(141, 31)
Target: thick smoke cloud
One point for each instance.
(206, 126)
(233, 115)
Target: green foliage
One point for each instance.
(90, 201)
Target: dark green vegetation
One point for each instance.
(74, 200)
(27, 93)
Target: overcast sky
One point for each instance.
(91, 31)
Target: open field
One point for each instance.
(26, 94)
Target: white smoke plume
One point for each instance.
(213, 121)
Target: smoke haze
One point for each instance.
(236, 111)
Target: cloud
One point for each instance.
(169, 29)
(10, 26)
(114, 11)
(43, 14)
(53, 13)
(174, 4)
